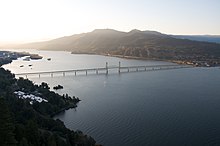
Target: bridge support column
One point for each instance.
(39, 75)
(106, 66)
(97, 71)
(137, 69)
(75, 73)
(128, 69)
(64, 74)
(26, 76)
(119, 67)
(51, 74)
(145, 68)
(86, 72)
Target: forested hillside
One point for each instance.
(26, 112)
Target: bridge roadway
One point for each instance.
(121, 69)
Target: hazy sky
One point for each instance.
(34, 20)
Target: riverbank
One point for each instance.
(7, 56)
(193, 62)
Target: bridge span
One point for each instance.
(106, 69)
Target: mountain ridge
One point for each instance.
(204, 38)
(135, 43)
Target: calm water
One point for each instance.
(170, 107)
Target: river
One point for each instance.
(168, 107)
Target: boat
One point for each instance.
(21, 65)
(27, 58)
(48, 59)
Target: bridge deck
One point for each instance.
(107, 68)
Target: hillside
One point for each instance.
(136, 43)
(202, 38)
(26, 111)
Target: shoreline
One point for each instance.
(17, 55)
(63, 110)
(137, 58)
(191, 62)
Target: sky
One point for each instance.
(24, 21)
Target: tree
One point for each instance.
(23, 142)
(51, 141)
(32, 133)
(25, 84)
(6, 125)
(44, 86)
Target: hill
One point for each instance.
(26, 111)
(136, 43)
(202, 38)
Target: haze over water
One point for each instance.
(169, 107)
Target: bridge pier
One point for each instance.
(51, 74)
(86, 72)
(75, 73)
(97, 71)
(39, 75)
(64, 74)
(137, 69)
(119, 67)
(106, 66)
(128, 69)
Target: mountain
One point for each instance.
(136, 43)
(203, 38)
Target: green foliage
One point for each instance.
(6, 80)
(44, 86)
(32, 132)
(23, 142)
(26, 85)
(6, 125)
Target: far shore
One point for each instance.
(133, 57)
(191, 62)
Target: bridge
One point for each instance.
(106, 69)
